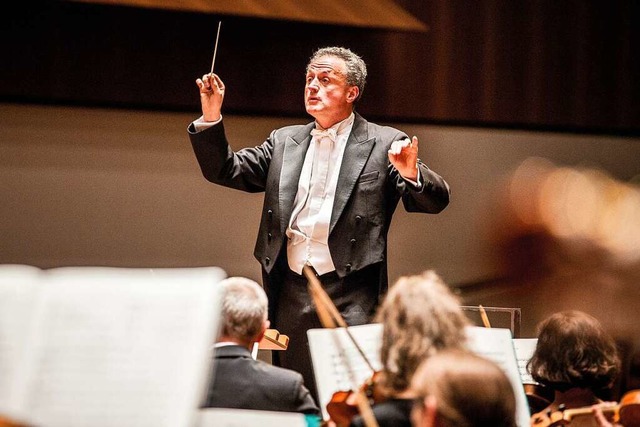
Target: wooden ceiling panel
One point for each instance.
(384, 14)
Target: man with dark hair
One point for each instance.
(331, 188)
(239, 381)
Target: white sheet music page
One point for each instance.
(496, 344)
(19, 286)
(114, 347)
(337, 364)
(524, 348)
(219, 417)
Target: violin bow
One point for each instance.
(331, 318)
(327, 310)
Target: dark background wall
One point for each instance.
(553, 65)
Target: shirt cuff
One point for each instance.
(418, 183)
(200, 124)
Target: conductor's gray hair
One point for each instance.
(356, 68)
(244, 308)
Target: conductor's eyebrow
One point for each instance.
(322, 67)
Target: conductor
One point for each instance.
(331, 188)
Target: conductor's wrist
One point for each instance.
(414, 178)
(201, 123)
(213, 117)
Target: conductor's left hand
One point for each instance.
(403, 155)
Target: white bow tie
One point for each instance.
(330, 133)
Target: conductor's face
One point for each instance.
(327, 96)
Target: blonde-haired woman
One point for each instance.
(420, 316)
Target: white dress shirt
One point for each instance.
(308, 229)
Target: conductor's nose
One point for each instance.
(313, 85)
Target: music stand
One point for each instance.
(500, 317)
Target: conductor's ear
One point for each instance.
(352, 94)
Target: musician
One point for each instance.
(239, 381)
(577, 359)
(420, 317)
(457, 388)
(331, 188)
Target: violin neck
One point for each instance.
(569, 414)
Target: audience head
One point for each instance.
(244, 311)
(574, 351)
(456, 388)
(420, 316)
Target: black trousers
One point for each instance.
(292, 311)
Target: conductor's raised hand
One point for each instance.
(403, 155)
(211, 96)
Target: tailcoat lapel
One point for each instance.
(356, 154)
(295, 149)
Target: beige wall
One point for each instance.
(115, 187)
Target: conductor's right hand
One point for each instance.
(211, 96)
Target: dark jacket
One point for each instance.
(241, 382)
(367, 192)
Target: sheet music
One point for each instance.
(119, 347)
(331, 362)
(496, 344)
(334, 356)
(219, 417)
(19, 285)
(524, 348)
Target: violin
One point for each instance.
(538, 396)
(344, 405)
(629, 409)
(627, 412)
(6, 422)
